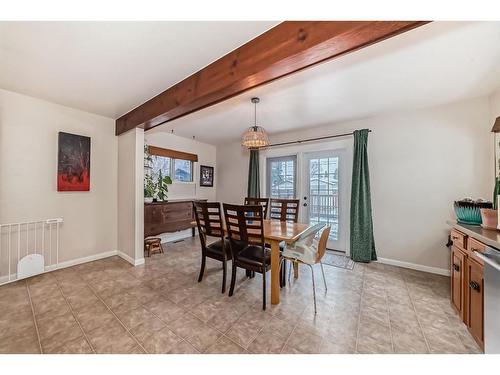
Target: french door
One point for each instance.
(324, 195)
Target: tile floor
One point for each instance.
(108, 306)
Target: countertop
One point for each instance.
(489, 237)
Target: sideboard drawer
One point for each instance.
(459, 239)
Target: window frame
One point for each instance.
(269, 161)
(172, 169)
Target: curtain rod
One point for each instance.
(313, 139)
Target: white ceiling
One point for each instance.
(438, 63)
(109, 68)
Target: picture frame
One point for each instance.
(73, 162)
(206, 176)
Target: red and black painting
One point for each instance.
(73, 164)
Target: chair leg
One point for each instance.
(314, 288)
(161, 249)
(264, 289)
(248, 273)
(233, 280)
(283, 274)
(324, 278)
(202, 269)
(224, 270)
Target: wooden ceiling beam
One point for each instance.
(285, 49)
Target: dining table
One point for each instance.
(275, 232)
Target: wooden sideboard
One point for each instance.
(169, 216)
(467, 282)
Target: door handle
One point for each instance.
(456, 267)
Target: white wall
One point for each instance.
(131, 195)
(28, 165)
(206, 156)
(420, 162)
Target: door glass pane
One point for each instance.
(183, 170)
(324, 193)
(281, 177)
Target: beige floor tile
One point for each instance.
(56, 331)
(304, 341)
(409, 343)
(161, 342)
(165, 309)
(76, 346)
(267, 342)
(112, 339)
(24, 343)
(94, 316)
(197, 333)
(225, 346)
(147, 327)
(83, 299)
(51, 307)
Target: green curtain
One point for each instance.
(253, 175)
(362, 242)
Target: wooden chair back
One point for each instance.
(323, 239)
(264, 202)
(208, 217)
(244, 224)
(284, 210)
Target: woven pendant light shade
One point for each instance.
(255, 137)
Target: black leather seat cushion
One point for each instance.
(217, 249)
(253, 255)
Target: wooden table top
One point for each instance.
(275, 230)
(283, 231)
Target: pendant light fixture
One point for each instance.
(255, 137)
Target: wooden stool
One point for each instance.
(152, 245)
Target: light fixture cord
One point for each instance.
(255, 117)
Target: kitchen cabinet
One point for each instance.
(467, 282)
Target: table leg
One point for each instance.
(275, 272)
(295, 270)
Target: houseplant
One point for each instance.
(489, 216)
(162, 186)
(149, 188)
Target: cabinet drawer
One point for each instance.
(459, 239)
(474, 245)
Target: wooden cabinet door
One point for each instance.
(457, 280)
(475, 293)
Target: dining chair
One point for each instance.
(264, 202)
(245, 229)
(209, 221)
(284, 209)
(308, 250)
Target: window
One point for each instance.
(162, 164)
(177, 169)
(183, 170)
(281, 177)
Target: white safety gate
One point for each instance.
(28, 248)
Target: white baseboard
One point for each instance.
(77, 261)
(65, 264)
(176, 236)
(134, 262)
(414, 266)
